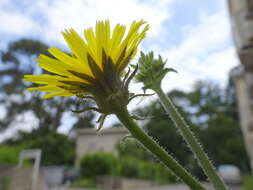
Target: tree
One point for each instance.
(217, 116)
(17, 61)
(57, 149)
(207, 110)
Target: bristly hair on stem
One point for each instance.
(122, 85)
(151, 73)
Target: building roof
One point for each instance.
(116, 130)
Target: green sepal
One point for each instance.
(101, 121)
(96, 71)
(151, 71)
(87, 109)
(136, 117)
(83, 76)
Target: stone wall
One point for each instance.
(20, 178)
(119, 183)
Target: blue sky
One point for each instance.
(193, 35)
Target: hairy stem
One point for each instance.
(153, 147)
(191, 140)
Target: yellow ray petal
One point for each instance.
(57, 67)
(60, 93)
(100, 42)
(69, 60)
(52, 65)
(91, 40)
(106, 36)
(43, 79)
(46, 88)
(75, 68)
(50, 79)
(117, 37)
(133, 32)
(79, 47)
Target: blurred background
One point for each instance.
(43, 145)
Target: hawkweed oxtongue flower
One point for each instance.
(151, 73)
(96, 69)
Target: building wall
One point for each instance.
(241, 16)
(246, 112)
(21, 178)
(241, 23)
(88, 140)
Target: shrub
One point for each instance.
(129, 167)
(101, 163)
(132, 148)
(84, 183)
(5, 183)
(9, 155)
(156, 172)
(98, 164)
(148, 170)
(248, 182)
(163, 176)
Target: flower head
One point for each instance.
(151, 71)
(94, 67)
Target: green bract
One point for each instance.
(151, 71)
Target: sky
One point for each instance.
(192, 35)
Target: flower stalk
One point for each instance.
(153, 147)
(191, 140)
(151, 73)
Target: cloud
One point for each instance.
(49, 18)
(205, 52)
(82, 13)
(45, 19)
(15, 24)
(199, 44)
(23, 122)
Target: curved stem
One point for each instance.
(191, 140)
(153, 147)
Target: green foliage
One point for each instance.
(136, 162)
(208, 111)
(84, 183)
(9, 154)
(101, 164)
(56, 148)
(228, 147)
(132, 167)
(98, 164)
(156, 172)
(129, 167)
(148, 170)
(248, 182)
(163, 175)
(132, 148)
(5, 183)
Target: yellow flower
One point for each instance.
(94, 67)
